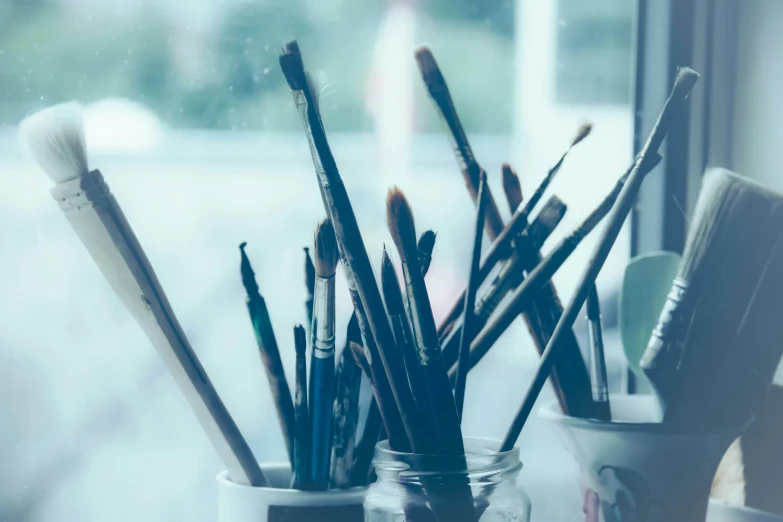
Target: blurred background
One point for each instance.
(191, 122)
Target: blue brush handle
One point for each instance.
(321, 393)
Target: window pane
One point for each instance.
(192, 123)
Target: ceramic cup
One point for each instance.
(278, 503)
(719, 511)
(636, 469)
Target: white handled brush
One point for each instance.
(54, 137)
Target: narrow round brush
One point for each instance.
(322, 370)
(713, 355)
(270, 354)
(402, 334)
(469, 316)
(300, 478)
(582, 132)
(440, 95)
(443, 411)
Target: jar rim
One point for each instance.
(382, 448)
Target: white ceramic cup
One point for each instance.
(279, 503)
(719, 511)
(636, 469)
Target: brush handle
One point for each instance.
(98, 220)
(300, 476)
(321, 413)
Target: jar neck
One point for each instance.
(482, 463)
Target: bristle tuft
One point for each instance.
(300, 340)
(429, 67)
(511, 187)
(326, 252)
(293, 67)
(399, 218)
(584, 131)
(54, 138)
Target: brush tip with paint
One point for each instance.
(54, 138)
(429, 67)
(584, 131)
(326, 251)
(399, 217)
(391, 286)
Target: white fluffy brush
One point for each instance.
(54, 138)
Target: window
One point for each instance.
(192, 124)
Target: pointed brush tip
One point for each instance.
(399, 218)
(584, 131)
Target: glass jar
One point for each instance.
(426, 488)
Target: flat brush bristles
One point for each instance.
(54, 139)
(512, 188)
(326, 252)
(426, 246)
(725, 302)
(399, 217)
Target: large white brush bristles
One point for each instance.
(54, 138)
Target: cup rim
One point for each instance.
(723, 505)
(224, 481)
(551, 412)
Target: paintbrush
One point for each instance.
(321, 388)
(392, 296)
(371, 433)
(300, 478)
(582, 132)
(512, 187)
(683, 84)
(54, 137)
(521, 297)
(506, 280)
(713, 355)
(471, 170)
(469, 317)
(426, 246)
(373, 429)
(443, 411)
(380, 349)
(346, 410)
(451, 499)
(310, 285)
(597, 363)
(270, 354)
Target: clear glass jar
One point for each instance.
(430, 488)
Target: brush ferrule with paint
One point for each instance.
(424, 350)
(81, 192)
(323, 318)
(599, 386)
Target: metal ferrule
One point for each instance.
(600, 389)
(323, 318)
(78, 193)
(669, 320)
(423, 351)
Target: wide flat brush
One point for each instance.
(322, 371)
(270, 354)
(686, 79)
(426, 246)
(54, 137)
(512, 187)
(377, 335)
(310, 286)
(713, 355)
